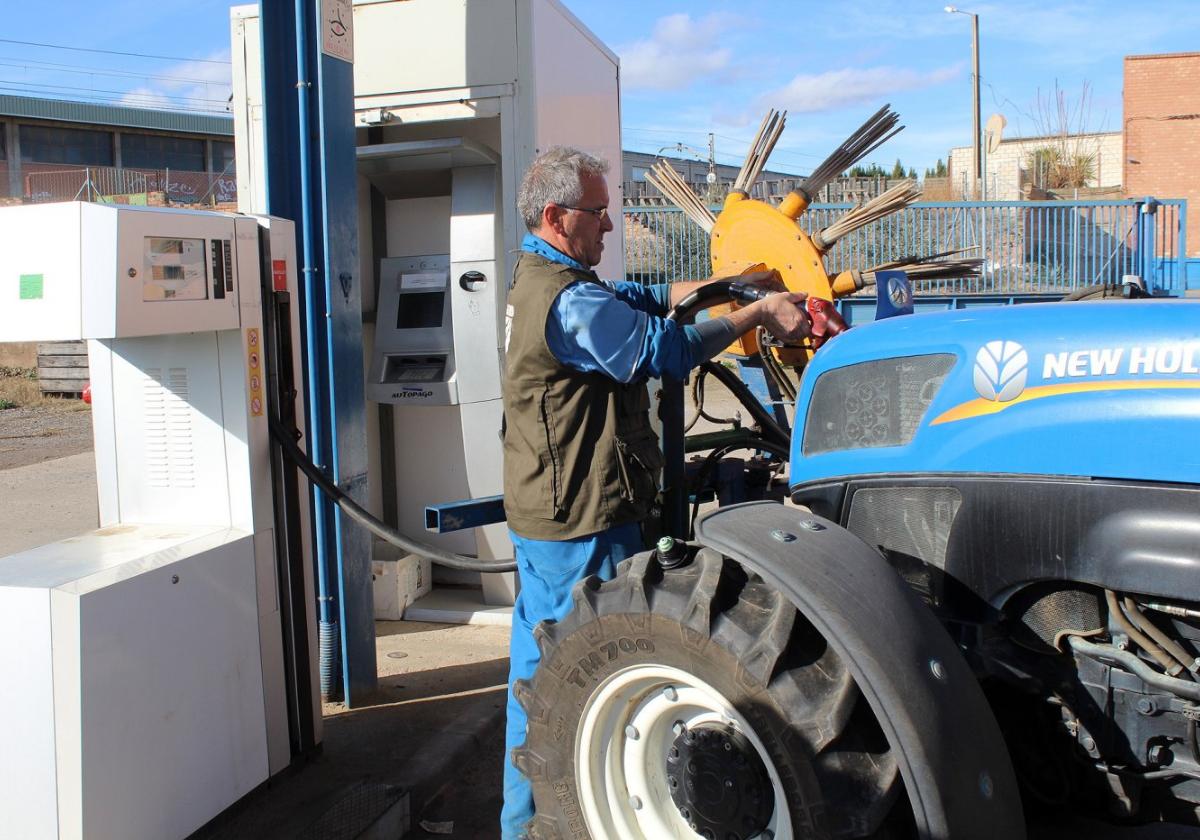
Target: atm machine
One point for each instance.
(155, 670)
(435, 365)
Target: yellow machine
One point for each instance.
(749, 233)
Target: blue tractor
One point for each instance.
(982, 603)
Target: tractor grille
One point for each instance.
(1043, 611)
(873, 403)
(913, 521)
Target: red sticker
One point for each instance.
(279, 275)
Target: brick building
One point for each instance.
(1162, 132)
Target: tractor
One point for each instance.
(982, 602)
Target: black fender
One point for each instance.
(954, 762)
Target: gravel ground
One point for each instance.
(32, 435)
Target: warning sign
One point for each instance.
(254, 375)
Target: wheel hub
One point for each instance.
(719, 783)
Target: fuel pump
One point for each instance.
(160, 667)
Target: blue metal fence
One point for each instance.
(1029, 247)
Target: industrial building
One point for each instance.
(58, 150)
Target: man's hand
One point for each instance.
(783, 316)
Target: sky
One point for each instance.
(695, 67)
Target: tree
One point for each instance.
(872, 171)
(938, 171)
(898, 169)
(1068, 157)
(1055, 168)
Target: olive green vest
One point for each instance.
(579, 453)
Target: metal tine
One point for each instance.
(759, 148)
(737, 182)
(890, 202)
(769, 146)
(664, 178)
(878, 129)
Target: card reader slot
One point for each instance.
(399, 370)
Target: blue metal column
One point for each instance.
(1182, 264)
(1146, 244)
(311, 177)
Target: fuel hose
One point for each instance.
(709, 295)
(450, 560)
(380, 529)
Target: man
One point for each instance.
(580, 457)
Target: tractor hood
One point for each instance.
(1094, 390)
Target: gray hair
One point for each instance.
(555, 177)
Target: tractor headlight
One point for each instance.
(873, 404)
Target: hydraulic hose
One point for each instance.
(380, 529)
(771, 430)
(714, 458)
(1164, 641)
(772, 366)
(1114, 609)
(698, 402)
(674, 516)
(1111, 654)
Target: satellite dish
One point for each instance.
(993, 131)
(711, 177)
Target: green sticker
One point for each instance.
(31, 287)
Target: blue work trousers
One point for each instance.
(548, 572)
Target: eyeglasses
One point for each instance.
(598, 212)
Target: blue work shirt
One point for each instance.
(618, 329)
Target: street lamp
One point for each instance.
(976, 145)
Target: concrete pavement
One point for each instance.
(49, 501)
(434, 723)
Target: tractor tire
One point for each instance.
(697, 702)
(1098, 291)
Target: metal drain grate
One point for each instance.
(358, 810)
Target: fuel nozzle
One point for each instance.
(824, 319)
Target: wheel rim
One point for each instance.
(625, 731)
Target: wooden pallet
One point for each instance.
(62, 367)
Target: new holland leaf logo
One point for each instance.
(1001, 368)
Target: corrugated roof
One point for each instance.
(114, 115)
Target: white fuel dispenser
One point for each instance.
(145, 686)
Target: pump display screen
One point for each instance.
(175, 269)
(419, 310)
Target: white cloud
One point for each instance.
(144, 97)
(190, 85)
(679, 53)
(838, 88)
